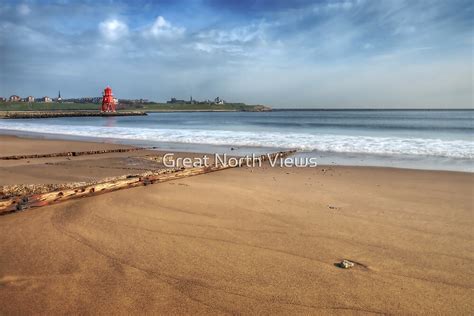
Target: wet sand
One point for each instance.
(261, 240)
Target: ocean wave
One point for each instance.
(300, 141)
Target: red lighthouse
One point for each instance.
(108, 102)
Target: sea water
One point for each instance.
(425, 139)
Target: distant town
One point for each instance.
(98, 100)
(109, 103)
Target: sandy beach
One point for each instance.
(245, 240)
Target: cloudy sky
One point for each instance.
(326, 54)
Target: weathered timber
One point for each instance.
(19, 190)
(22, 190)
(75, 153)
(18, 203)
(53, 114)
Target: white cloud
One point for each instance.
(337, 6)
(113, 29)
(208, 48)
(242, 41)
(23, 9)
(213, 48)
(164, 29)
(242, 34)
(346, 5)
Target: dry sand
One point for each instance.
(244, 241)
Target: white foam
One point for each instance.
(301, 141)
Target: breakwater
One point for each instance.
(53, 114)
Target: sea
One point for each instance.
(419, 139)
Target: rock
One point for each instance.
(346, 264)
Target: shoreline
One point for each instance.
(328, 158)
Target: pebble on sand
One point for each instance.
(346, 264)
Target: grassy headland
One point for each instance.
(147, 107)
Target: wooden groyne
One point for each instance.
(76, 153)
(19, 197)
(53, 114)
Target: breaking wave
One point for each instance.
(302, 141)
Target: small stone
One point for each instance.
(346, 264)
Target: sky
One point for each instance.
(292, 54)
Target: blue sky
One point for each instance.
(325, 54)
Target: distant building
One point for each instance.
(30, 99)
(59, 99)
(218, 101)
(174, 100)
(46, 99)
(2, 99)
(97, 100)
(15, 98)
